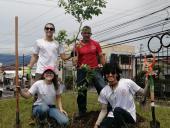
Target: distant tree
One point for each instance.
(62, 37)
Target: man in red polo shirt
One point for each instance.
(88, 51)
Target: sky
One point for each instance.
(108, 28)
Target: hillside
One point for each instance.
(7, 59)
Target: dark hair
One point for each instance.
(86, 27)
(54, 80)
(50, 24)
(112, 68)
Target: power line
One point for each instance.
(114, 30)
(34, 28)
(134, 20)
(33, 19)
(118, 28)
(143, 28)
(124, 12)
(28, 3)
(37, 18)
(132, 39)
(134, 11)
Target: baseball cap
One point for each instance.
(47, 68)
(86, 29)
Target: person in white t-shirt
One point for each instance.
(48, 93)
(120, 94)
(46, 51)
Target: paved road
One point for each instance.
(7, 94)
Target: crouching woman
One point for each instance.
(48, 91)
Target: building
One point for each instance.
(123, 55)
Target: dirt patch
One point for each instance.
(87, 121)
(90, 118)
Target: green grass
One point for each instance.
(8, 110)
(162, 115)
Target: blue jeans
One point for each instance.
(42, 111)
(97, 81)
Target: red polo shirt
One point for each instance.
(87, 53)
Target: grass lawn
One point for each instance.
(8, 110)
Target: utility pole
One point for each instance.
(23, 63)
(23, 84)
(140, 51)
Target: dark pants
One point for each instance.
(121, 118)
(97, 81)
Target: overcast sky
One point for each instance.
(34, 14)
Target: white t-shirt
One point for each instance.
(46, 93)
(48, 53)
(121, 96)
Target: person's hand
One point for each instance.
(18, 88)
(63, 111)
(96, 126)
(25, 89)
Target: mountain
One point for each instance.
(7, 59)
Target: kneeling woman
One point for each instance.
(120, 94)
(48, 91)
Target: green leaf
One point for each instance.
(82, 9)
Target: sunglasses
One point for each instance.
(48, 28)
(112, 72)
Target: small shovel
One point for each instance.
(154, 123)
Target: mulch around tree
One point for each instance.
(90, 118)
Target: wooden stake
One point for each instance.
(16, 73)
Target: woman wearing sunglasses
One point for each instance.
(120, 94)
(48, 93)
(46, 51)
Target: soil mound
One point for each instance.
(89, 119)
